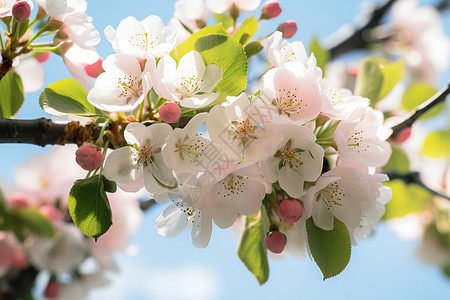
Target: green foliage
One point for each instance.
(416, 94)
(31, 219)
(437, 144)
(251, 249)
(322, 55)
(226, 20)
(331, 249)
(89, 206)
(217, 47)
(406, 199)
(65, 97)
(11, 94)
(370, 80)
(253, 48)
(245, 32)
(398, 162)
(392, 72)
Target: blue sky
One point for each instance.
(381, 267)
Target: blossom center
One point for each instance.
(232, 185)
(190, 148)
(287, 102)
(331, 195)
(290, 156)
(189, 85)
(288, 55)
(143, 41)
(144, 153)
(244, 130)
(130, 87)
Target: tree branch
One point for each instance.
(43, 132)
(357, 38)
(414, 177)
(409, 120)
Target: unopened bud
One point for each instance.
(52, 213)
(275, 242)
(403, 135)
(89, 157)
(169, 112)
(21, 10)
(19, 260)
(41, 57)
(18, 201)
(290, 210)
(95, 69)
(270, 10)
(288, 28)
(52, 290)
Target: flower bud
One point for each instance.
(18, 201)
(290, 210)
(52, 290)
(95, 69)
(275, 242)
(89, 157)
(41, 57)
(169, 112)
(52, 213)
(19, 260)
(271, 9)
(288, 28)
(21, 10)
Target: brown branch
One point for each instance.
(409, 120)
(357, 38)
(414, 177)
(43, 132)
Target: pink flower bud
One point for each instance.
(169, 112)
(275, 242)
(41, 57)
(89, 157)
(270, 10)
(52, 290)
(21, 10)
(290, 210)
(19, 260)
(18, 201)
(52, 213)
(288, 28)
(403, 135)
(95, 69)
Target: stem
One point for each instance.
(43, 29)
(409, 120)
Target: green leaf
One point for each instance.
(226, 20)
(398, 162)
(33, 220)
(251, 249)
(253, 48)
(369, 80)
(437, 144)
(331, 249)
(217, 47)
(406, 199)
(322, 55)
(65, 97)
(392, 72)
(11, 94)
(89, 206)
(245, 32)
(416, 94)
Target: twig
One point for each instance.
(43, 132)
(414, 177)
(357, 38)
(409, 120)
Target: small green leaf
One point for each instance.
(393, 72)
(89, 206)
(65, 97)
(369, 80)
(226, 20)
(331, 249)
(322, 55)
(33, 220)
(217, 47)
(251, 249)
(245, 32)
(253, 48)
(398, 162)
(437, 144)
(406, 199)
(11, 94)
(416, 94)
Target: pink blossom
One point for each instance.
(290, 210)
(275, 242)
(89, 157)
(270, 10)
(170, 112)
(288, 28)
